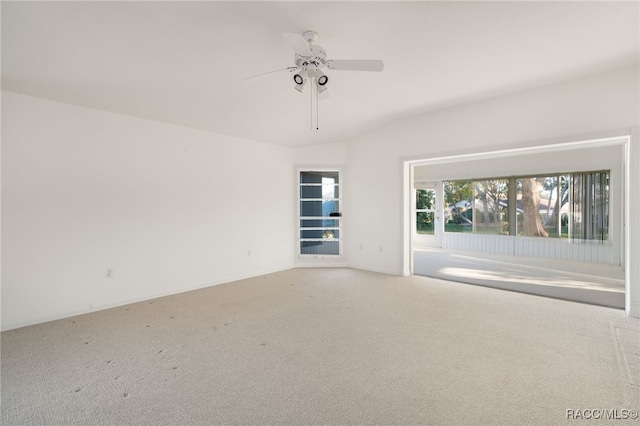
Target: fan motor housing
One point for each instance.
(316, 61)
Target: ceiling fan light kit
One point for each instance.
(322, 79)
(310, 59)
(300, 79)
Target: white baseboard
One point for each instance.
(379, 271)
(634, 310)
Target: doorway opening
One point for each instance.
(579, 269)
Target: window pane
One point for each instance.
(425, 199)
(319, 177)
(320, 247)
(319, 208)
(491, 206)
(458, 199)
(326, 191)
(319, 223)
(424, 222)
(542, 206)
(530, 208)
(590, 206)
(561, 209)
(320, 233)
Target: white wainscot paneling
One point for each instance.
(583, 251)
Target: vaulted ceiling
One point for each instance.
(186, 62)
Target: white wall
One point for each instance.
(557, 161)
(632, 212)
(167, 207)
(597, 105)
(171, 208)
(323, 155)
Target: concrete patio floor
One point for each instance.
(577, 281)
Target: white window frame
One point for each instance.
(512, 215)
(433, 208)
(339, 219)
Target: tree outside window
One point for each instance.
(569, 205)
(458, 212)
(425, 211)
(491, 206)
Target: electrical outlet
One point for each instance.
(108, 273)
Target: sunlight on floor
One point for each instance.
(462, 273)
(577, 281)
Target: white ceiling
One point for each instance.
(185, 62)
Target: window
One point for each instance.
(570, 205)
(458, 206)
(320, 227)
(590, 206)
(543, 206)
(425, 211)
(491, 201)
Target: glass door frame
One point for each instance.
(427, 240)
(336, 227)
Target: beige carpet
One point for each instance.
(326, 346)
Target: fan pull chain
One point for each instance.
(311, 107)
(317, 106)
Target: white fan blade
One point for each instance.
(259, 76)
(297, 43)
(356, 65)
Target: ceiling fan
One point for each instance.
(310, 61)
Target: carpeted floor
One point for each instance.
(593, 283)
(326, 346)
